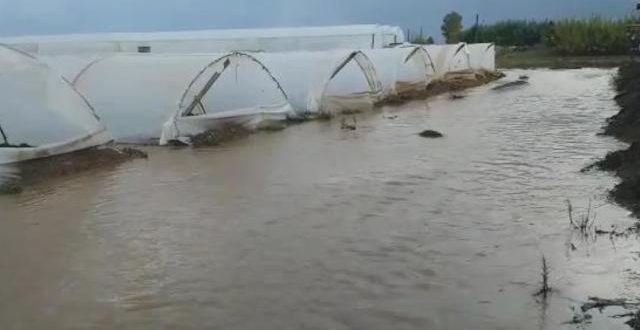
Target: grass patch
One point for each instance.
(542, 57)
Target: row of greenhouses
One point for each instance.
(54, 104)
(364, 36)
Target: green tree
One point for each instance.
(422, 41)
(510, 33)
(452, 27)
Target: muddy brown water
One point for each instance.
(318, 228)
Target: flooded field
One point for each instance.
(316, 227)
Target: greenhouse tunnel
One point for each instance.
(315, 38)
(450, 59)
(41, 114)
(159, 98)
(326, 82)
(403, 69)
(483, 57)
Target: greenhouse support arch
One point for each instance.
(454, 58)
(402, 69)
(42, 114)
(306, 76)
(483, 57)
(164, 97)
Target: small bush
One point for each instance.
(596, 36)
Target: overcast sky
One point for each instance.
(25, 17)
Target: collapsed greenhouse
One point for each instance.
(402, 70)
(145, 98)
(450, 59)
(370, 36)
(325, 82)
(41, 113)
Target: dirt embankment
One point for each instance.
(451, 83)
(626, 126)
(37, 170)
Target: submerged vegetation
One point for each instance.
(584, 223)
(545, 288)
(10, 187)
(220, 135)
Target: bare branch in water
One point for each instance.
(546, 289)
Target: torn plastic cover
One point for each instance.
(41, 114)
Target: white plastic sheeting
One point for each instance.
(402, 69)
(41, 114)
(145, 97)
(325, 82)
(483, 57)
(448, 59)
(215, 41)
(71, 66)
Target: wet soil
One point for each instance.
(626, 126)
(37, 170)
(452, 83)
(220, 135)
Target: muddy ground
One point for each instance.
(33, 171)
(450, 84)
(218, 136)
(626, 127)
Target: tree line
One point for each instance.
(594, 36)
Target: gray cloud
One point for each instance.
(80, 16)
